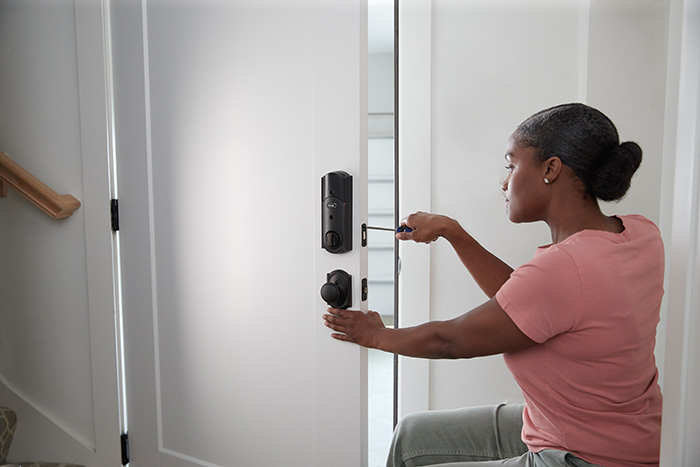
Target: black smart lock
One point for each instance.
(336, 212)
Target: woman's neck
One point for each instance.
(588, 217)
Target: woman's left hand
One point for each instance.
(355, 326)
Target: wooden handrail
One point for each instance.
(53, 204)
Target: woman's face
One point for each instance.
(524, 186)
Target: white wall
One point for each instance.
(492, 64)
(627, 68)
(626, 79)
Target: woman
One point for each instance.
(576, 324)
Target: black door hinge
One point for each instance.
(114, 210)
(125, 448)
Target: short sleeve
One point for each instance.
(543, 296)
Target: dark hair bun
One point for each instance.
(587, 142)
(614, 175)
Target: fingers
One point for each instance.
(410, 221)
(413, 223)
(354, 326)
(342, 337)
(335, 319)
(337, 314)
(425, 227)
(405, 235)
(332, 321)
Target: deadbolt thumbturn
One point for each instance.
(337, 291)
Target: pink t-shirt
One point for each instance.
(592, 303)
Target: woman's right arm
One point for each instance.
(489, 272)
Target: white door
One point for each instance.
(228, 115)
(58, 362)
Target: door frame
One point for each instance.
(680, 224)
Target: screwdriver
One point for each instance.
(401, 228)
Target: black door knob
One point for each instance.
(331, 292)
(336, 292)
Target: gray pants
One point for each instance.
(478, 436)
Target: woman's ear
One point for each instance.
(552, 168)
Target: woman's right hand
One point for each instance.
(426, 227)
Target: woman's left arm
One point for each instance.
(485, 330)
